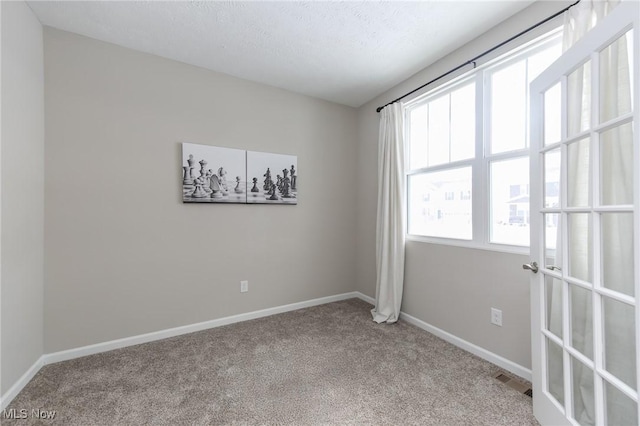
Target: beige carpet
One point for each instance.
(328, 364)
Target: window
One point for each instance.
(468, 152)
(433, 205)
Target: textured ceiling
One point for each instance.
(342, 51)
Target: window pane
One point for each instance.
(578, 174)
(552, 256)
(552, 115)
(616, 88)
(579, 99)
(583, 399)
(579, 249)
(552, 179)
(418, 137)
(463, 123)
(581, 320)
(616, 162)
(554, 305)
(440, 204)
(620, 340)
(438, 131)
(617, 252)
(510, 201)
(509, 108)
(621, 410)
(555, 371)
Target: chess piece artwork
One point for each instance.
(199, 191)
(255, 185)
(186, 179)
(223, 180)
(238, 189)
(188, 171)
(216, 188)
(275, 172)
(285, 184)
(294, 178)
(267, 180)
(274, 194)
(207, 181)
(222, 176)
(203, 171)
(214, 174)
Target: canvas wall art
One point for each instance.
(212, 174)
(272, 178)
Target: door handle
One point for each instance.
(533, 267)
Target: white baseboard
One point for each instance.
(176, 331)
(21, 383)
(365, 297)
(493, 358)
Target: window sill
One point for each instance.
(501, 248)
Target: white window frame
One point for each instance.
(480, 163)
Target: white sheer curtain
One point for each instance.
(617, 238)
(390, 232)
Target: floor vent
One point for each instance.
(514, 383)
(503, 377)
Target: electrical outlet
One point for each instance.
(244, 286)
(496, 317)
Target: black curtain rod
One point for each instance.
(473, 60)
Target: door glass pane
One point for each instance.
(616, 162)
(552, 115)
(553, 299)
(552, 179)
(620, 409)
(440, 204)
(619, 340)
(578, 177)
(555, 371)
(418, 137)
(579, 99)
(583, 399)
(438, 131)
(618, 252)
(581, 320)
(616, 88)
(552, 256)
(463, 123)
(510, 201)
(579, 248)
(509, 108)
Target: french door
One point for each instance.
(585, 228)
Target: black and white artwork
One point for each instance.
(272, 178)
(212, 174)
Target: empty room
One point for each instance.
(320, 212)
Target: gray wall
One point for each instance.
(22, 177)
(124, 255)
(449, 287)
